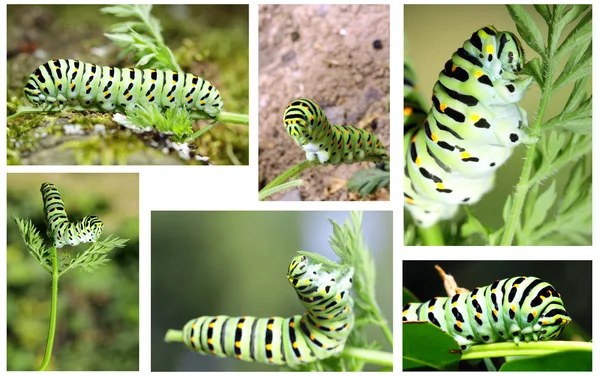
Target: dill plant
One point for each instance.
(57, 265)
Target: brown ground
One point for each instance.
(325, 53)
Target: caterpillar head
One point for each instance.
(93, 227)
(299, 117)
(553, 320)
(501, 53)
(510, 52)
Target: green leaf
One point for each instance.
(577, 95)
(144, 60)
(544, 11)
(506, 209)
(572, 13)
(581, 34)
(575, 120)
(368, 180)
(408, 297)
(534, 69)
(426, 345)
(572, 191)
(119, 38)
(559, 361)
(527, 28)
(120, 10)
(541, 208)
(578, 126)
(473, 227)
(583, 69)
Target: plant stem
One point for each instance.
(503, 349)
(263, 194)
(370, 356)
(174, 336)
(431, 235)
(53, 311)
(231, 117)
(523, 185)
(290, 173)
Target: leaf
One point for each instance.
(120, 10)
(473, 227)
(144, 60)
(581, 34)
(572, 191)
(541, 208)
(534, 69)
(572, 13)
(368, 181)
(577, 95)
(527, 28)
(408, 297)
(583, 69)
(507, 208)
(578, 126)
(119, 38)
(558, 361)
(426, 345)
(583, 112)
(544, 11)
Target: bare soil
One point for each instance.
(336, 55)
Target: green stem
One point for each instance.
(174, 336)
(370, 356)
(290, 173)
(524, 180)
(263, 194)
(53, 312)
(431, 235)
(230, 117)
(503, 349)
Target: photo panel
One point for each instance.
(128, 84)
(497, 151)
(223, 284)
(72, 280)
(324, 86)
(524, 315)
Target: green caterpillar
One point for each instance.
(330, 143)
(317, 334)
(513, 309)
(470, 131)
(58, 82)
(62, 231)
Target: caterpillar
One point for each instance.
(62, 231)
(317, 334)
(513, 309)
(59, 82)
(470, 131)
(307, 124)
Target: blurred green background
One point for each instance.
(432, 34)
(572, 279)
(235, 263)
(98, 313)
